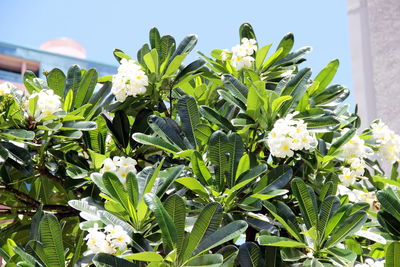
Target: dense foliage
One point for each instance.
(240, 158)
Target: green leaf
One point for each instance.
(207, 222)
(325, 76)
(217, 147)
(231, 99)
(151, 60)
(235, 150)
(277, 178)
(351, 225)
(165, 222)
(237, 89)
(28, 82)
(222, 235)
(194, 185)
(155, 141)
(148, 256)
(175, 64)
(190, 117)
(249, 255)
(261, 54)
(79, 125)
(288, 224)
(120, 128)
(277, 241)
(108, 260)
(246, 31)
(184, 47)
(214, 117)
(189, 69)
(73, 80)
(200, 169)
(132, 188)
(207, 260)
(296, 87)
(56, 81)
(155, 38)
(69, 99)
(278, 102)
(51, 238)
(86, 87)
(175, 206)
(116, 189)
(389, 203)
(307, 202)
(392, 258)
(167, 129)
(19, 134)
(328, 207)
(342, 140)
(286, 44)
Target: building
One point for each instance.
(59, 53)
(375, 52)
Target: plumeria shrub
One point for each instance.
(243, 157)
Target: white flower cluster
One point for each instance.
(47, 103)
(369, 262)
(7, 88)
(111, 240)
(121, 166)
(354, 152)
(241, 55)
(356, 196)
(129, 81)
(289, 135)
(388, 141)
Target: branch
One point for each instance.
(44, 172)
(27, 199)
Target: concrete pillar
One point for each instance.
(375, 51)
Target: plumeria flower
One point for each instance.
(47, 103)
(225, 54)
(121, 166)
(129, 81)
(240, 62)
(250, 45)
(348, 176)
(113, 239)
(388, 141)
(369, 262)
(7, 88)
(289, 135)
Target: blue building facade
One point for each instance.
(14, 60)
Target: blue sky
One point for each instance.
(102, 25)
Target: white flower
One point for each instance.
(390, 150)
(225, 54)
(113, 239)
(358, 165)
(118, 237)
(381, 132)
(121, 166)
(356, 196)
(289, 135)
(369, 262)
(241, 54)
(7, 88)
(240, 62)
(388, 141)
(239, 50)
(47, 103)
(250, 45)
(129, 81)
(355, 148)
(348, 177)
(96, 241)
